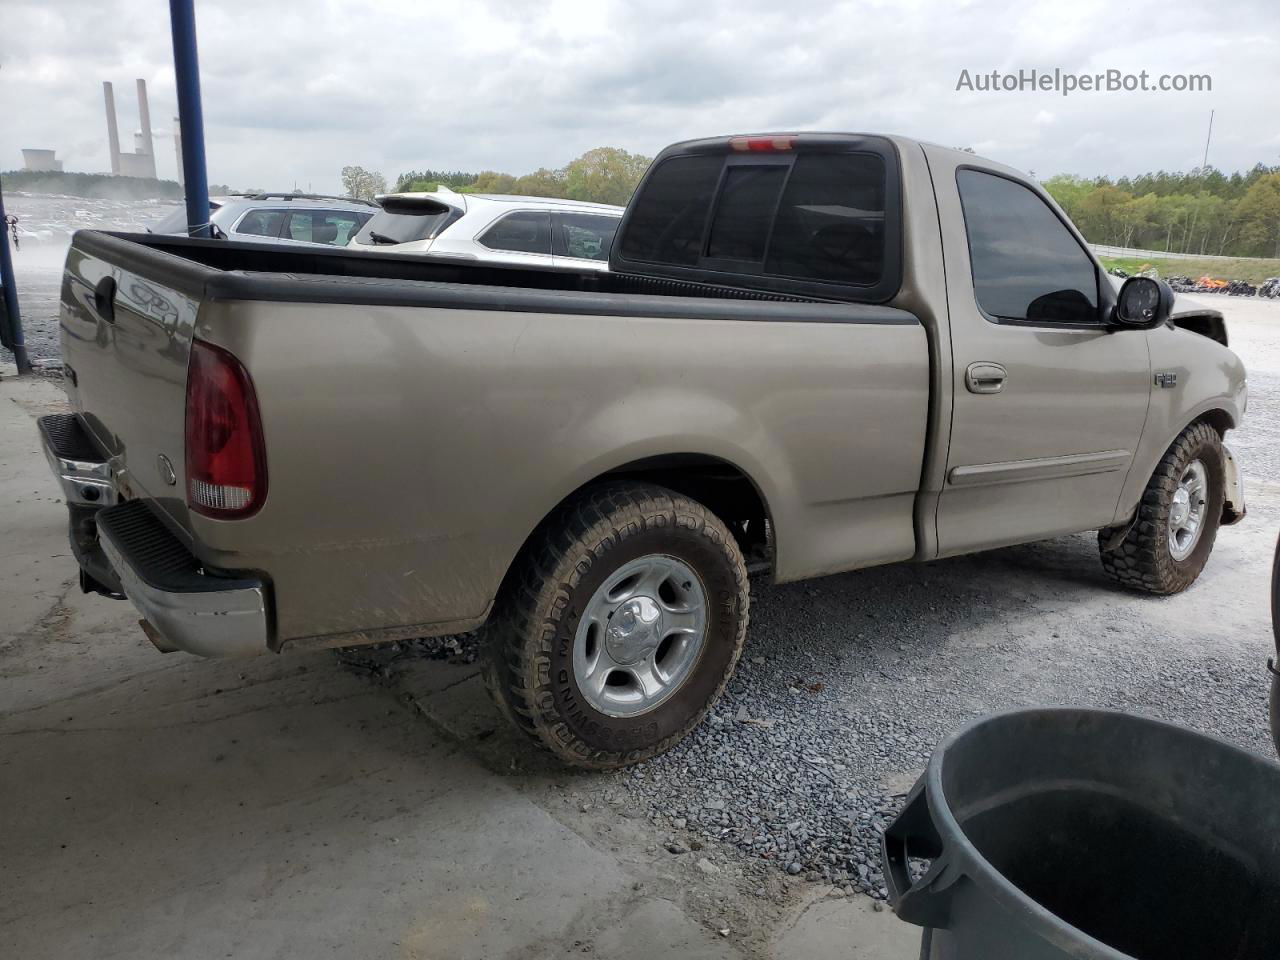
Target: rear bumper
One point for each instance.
(212, 616)
(126, 548)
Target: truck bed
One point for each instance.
(421, 417)
(233, 270)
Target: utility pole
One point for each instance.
(11, 328)
(186, 69)
(1205, 165)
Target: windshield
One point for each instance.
(176, 221)
(384, 227)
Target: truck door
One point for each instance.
(1049, 404)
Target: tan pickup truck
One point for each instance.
(812, 353)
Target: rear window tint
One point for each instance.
(830, 224)
(585, 236)
(324, 226)
(384, 227)
(819, 217)
(262, 223)
(744, 214)
(669, 214)
(525, 232)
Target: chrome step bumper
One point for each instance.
(184, 606)
(124, 547)
(83, 472)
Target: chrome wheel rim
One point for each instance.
(1187, 511)
(640, 636)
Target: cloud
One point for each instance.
(294, 91)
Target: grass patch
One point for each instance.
(1224, 268)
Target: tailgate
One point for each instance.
(128, 318)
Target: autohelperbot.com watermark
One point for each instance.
(1066, 82)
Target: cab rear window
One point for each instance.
(805, 216)
(669, 215)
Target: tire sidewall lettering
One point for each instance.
(687, 541)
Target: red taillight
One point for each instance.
(226, 461)
(761, 144)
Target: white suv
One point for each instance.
(493, 227)
(285, 218)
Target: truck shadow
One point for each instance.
(815, 632)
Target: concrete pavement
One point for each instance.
(161, 805)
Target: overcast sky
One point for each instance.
(296, 89)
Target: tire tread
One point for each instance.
(525, 621)
(1141, 561)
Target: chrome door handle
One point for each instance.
(984, 377)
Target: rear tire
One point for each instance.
(565, 590)
(1149, 558)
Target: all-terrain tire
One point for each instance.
(1143, 560)
(528, 665)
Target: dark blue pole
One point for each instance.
(13, 325)
(186, 68)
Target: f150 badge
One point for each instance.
(1167, 380)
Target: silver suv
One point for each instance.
(288, 218)
(497, 228)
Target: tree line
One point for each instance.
(601, 175)
(1203, 212)
(94, 186)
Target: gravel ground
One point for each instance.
(843, 697)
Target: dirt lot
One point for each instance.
(373, 804)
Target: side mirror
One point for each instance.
(1144, 303)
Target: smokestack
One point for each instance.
(113, 135)
(144, 119)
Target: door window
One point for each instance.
(262, 223)
(525, 232)
(324, 226)
(1027, 266)
(584, 236)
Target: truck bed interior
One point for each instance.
(235, 255)
(211, 270)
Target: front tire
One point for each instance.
(1170, 541)
(620, 626)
